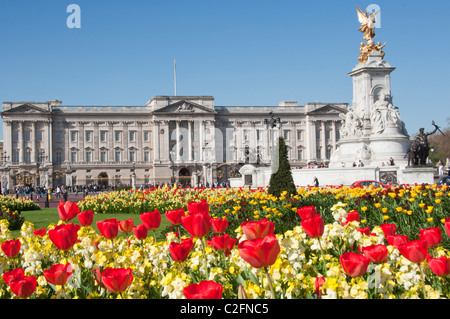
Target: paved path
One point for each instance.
(53, 203)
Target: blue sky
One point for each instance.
(242, 52)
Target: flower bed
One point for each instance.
(351, 243)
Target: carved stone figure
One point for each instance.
(384, 113)
(351, 124)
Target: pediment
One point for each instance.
(27, 108)
(329, 109)
(185, 107)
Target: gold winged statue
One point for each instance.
(368, 28)
(367, 23)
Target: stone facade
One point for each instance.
(183, 139)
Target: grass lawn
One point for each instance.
(46, 216)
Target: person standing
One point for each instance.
(315, 182)
(441, 168)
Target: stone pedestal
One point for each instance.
(372, 131)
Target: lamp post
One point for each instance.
(171, 154)
(272, 123)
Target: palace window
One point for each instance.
(103, 136)
(88, 157)
(27, 156)
(88, 136)
(146, 136)
(58, 157)
(146, 156)
(300, 154)
(73, 156)
(132, 136)
(15, 157)
(103, 156)
(73, 136)
(117, 136)
(132, 156)
(117, 156)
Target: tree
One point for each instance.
(282, 180)
(440, 145)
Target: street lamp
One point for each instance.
(171, 155)
(272, 123)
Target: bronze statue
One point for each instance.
(420, 148)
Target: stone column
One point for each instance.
(308, 140)
(177, 141)
(211, 142)
(96, 143)
(33, 143)
(333, 135)
(323, 140)
(190, 159)
(200, 141)
(139, 153)
(21, 144)
(111, 141)
(81, 156)
(125, 140)
(155, 131)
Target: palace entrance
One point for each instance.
(102, 180)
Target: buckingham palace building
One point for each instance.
(186, 140)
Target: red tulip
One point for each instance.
(351, 216)
(64, 236)
(174, 216)
(198, 207)
(203, 290)
(67, 210)
(306, 212)
(219, 225)
(140, 231)
(260, 252)
(365, 230)
(151, 220)
(447, 225)
(198, 224)
(415, 250)
(86, 218)
(98, 277)
(313, 227)
(388, 229)
(318, 283)
(223, 243)
(58, 274)
(40, 232)
(23, 287)
(257, 229)
(440, 265)
(432, 236)
(15, 274)
(109, 228)
(180, 251)
(11, 248)
(376, 253)
(397, 240)
(354, 265)
(117, 279)
(126, 226)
